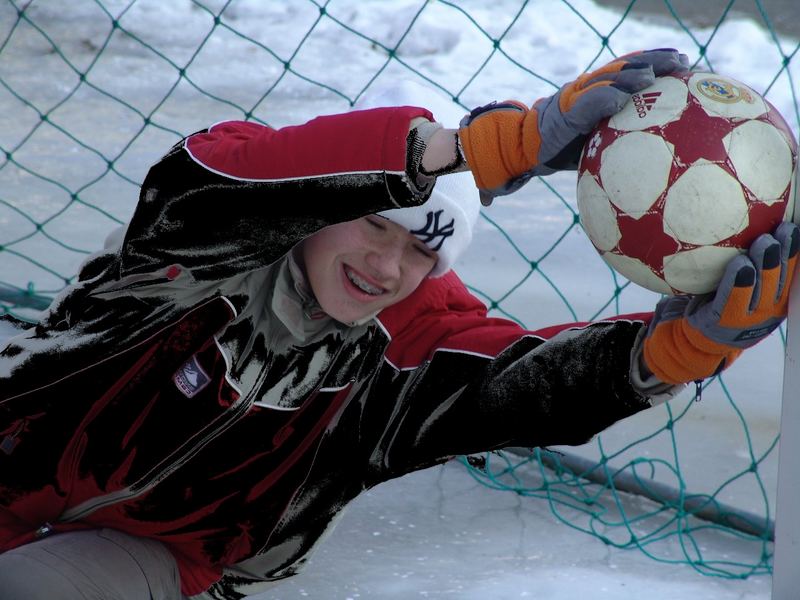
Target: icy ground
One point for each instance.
(438, 534)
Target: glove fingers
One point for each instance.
(788, 236)
(574, 91)
(731, 302)
(663, 60)
(761, 280)
(765, 253)
(607, 72)
(629, 74)
(624, 77)
(635, 77)
(588, 109)
(774, 258)
(630, 78)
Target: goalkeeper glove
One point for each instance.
(505, 144)
(694, 337)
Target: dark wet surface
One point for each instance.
(782, 15)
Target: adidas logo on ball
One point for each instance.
(644, 102)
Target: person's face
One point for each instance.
(358, 268)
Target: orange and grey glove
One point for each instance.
(694, 337)
(505, 143)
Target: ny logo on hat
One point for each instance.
(431, 230)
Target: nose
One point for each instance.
(386, 260)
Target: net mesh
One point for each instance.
(93, 91)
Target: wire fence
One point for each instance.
(93, 91)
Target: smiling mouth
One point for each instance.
(362, 284)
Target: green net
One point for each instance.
(94, 91)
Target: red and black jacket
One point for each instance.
(99, 429)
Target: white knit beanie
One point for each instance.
(446, 221)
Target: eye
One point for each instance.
(375, 223)
(424, 250)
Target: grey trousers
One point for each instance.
(98, 564)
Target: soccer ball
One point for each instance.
(685, 177)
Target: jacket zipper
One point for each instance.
(236, 410)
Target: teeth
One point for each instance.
(363, 285)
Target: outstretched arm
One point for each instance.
(467, 383)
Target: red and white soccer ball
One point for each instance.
(686, 176)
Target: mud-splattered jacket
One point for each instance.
(152, 398)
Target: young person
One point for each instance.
(279, 329)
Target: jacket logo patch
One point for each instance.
(190, 379)
(13, 433)
(8, 444)
(432, 230)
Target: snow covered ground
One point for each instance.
(436, 534)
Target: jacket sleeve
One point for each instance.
(467, 383)
(238, 195)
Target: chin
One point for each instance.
(349, 314)
(350, 317)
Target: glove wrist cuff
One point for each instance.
(677, 353)
(500, 143)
